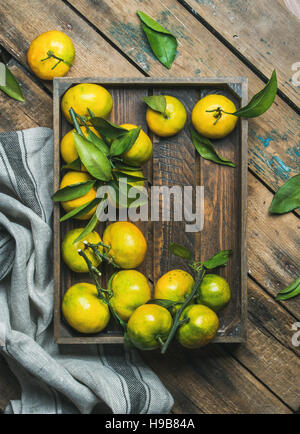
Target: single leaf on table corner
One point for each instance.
(94, 160)
(287, 198)
(218, 260)
(262, 101)
(157, 103)
(181, 251)
(290, 292)
(162, 42)
(206, 149)
(11, 87)
(73, 191)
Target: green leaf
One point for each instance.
(94, 160)
(73, 191)
(92, 137)
(122, 144)
(206, 149)
(287, 197)
(291, 291)
(81, 210)
(11, 86)
(107, 129)
(74, 165)
(128, 177)
(75, 121)
(180, 251)
(162, 42)
(218, 260)
(157, 103)
(262, 101)
(120, 167)
(88, 229)
(122, 199)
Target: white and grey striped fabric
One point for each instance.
(53, 379)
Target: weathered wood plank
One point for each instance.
(273, 245)
(21, 24)
(273, 141)
(35, 111)
(269, 353)
(214, 381)
(249, 26)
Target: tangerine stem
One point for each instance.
(177, 321)
(94, 275)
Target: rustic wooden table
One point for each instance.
(216, 38)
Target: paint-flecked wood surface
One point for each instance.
(263, 375)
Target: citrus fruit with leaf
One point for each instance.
(201, 326)
(149, 326)
(67, 146)
(87, 98)
(171, 121)
(69, 250)
(51, 55)
(211, 116)
(72, 178)
(130, 290)
(84, 310)
(127, 243)
(175, 285)
(214, 292)
(141, 151)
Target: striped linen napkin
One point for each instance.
(64, 378)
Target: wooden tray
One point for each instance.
(175, 162)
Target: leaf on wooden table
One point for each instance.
(206, 149)
(290, 292)
(287, 197)
(157, 103)
(162, 42)
(262, 101)
(73, 191)
(181, 251)
(218, 260)
(9, 84)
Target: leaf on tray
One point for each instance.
(206, 149)
(73, 191)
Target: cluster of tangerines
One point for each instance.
(87, 307)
